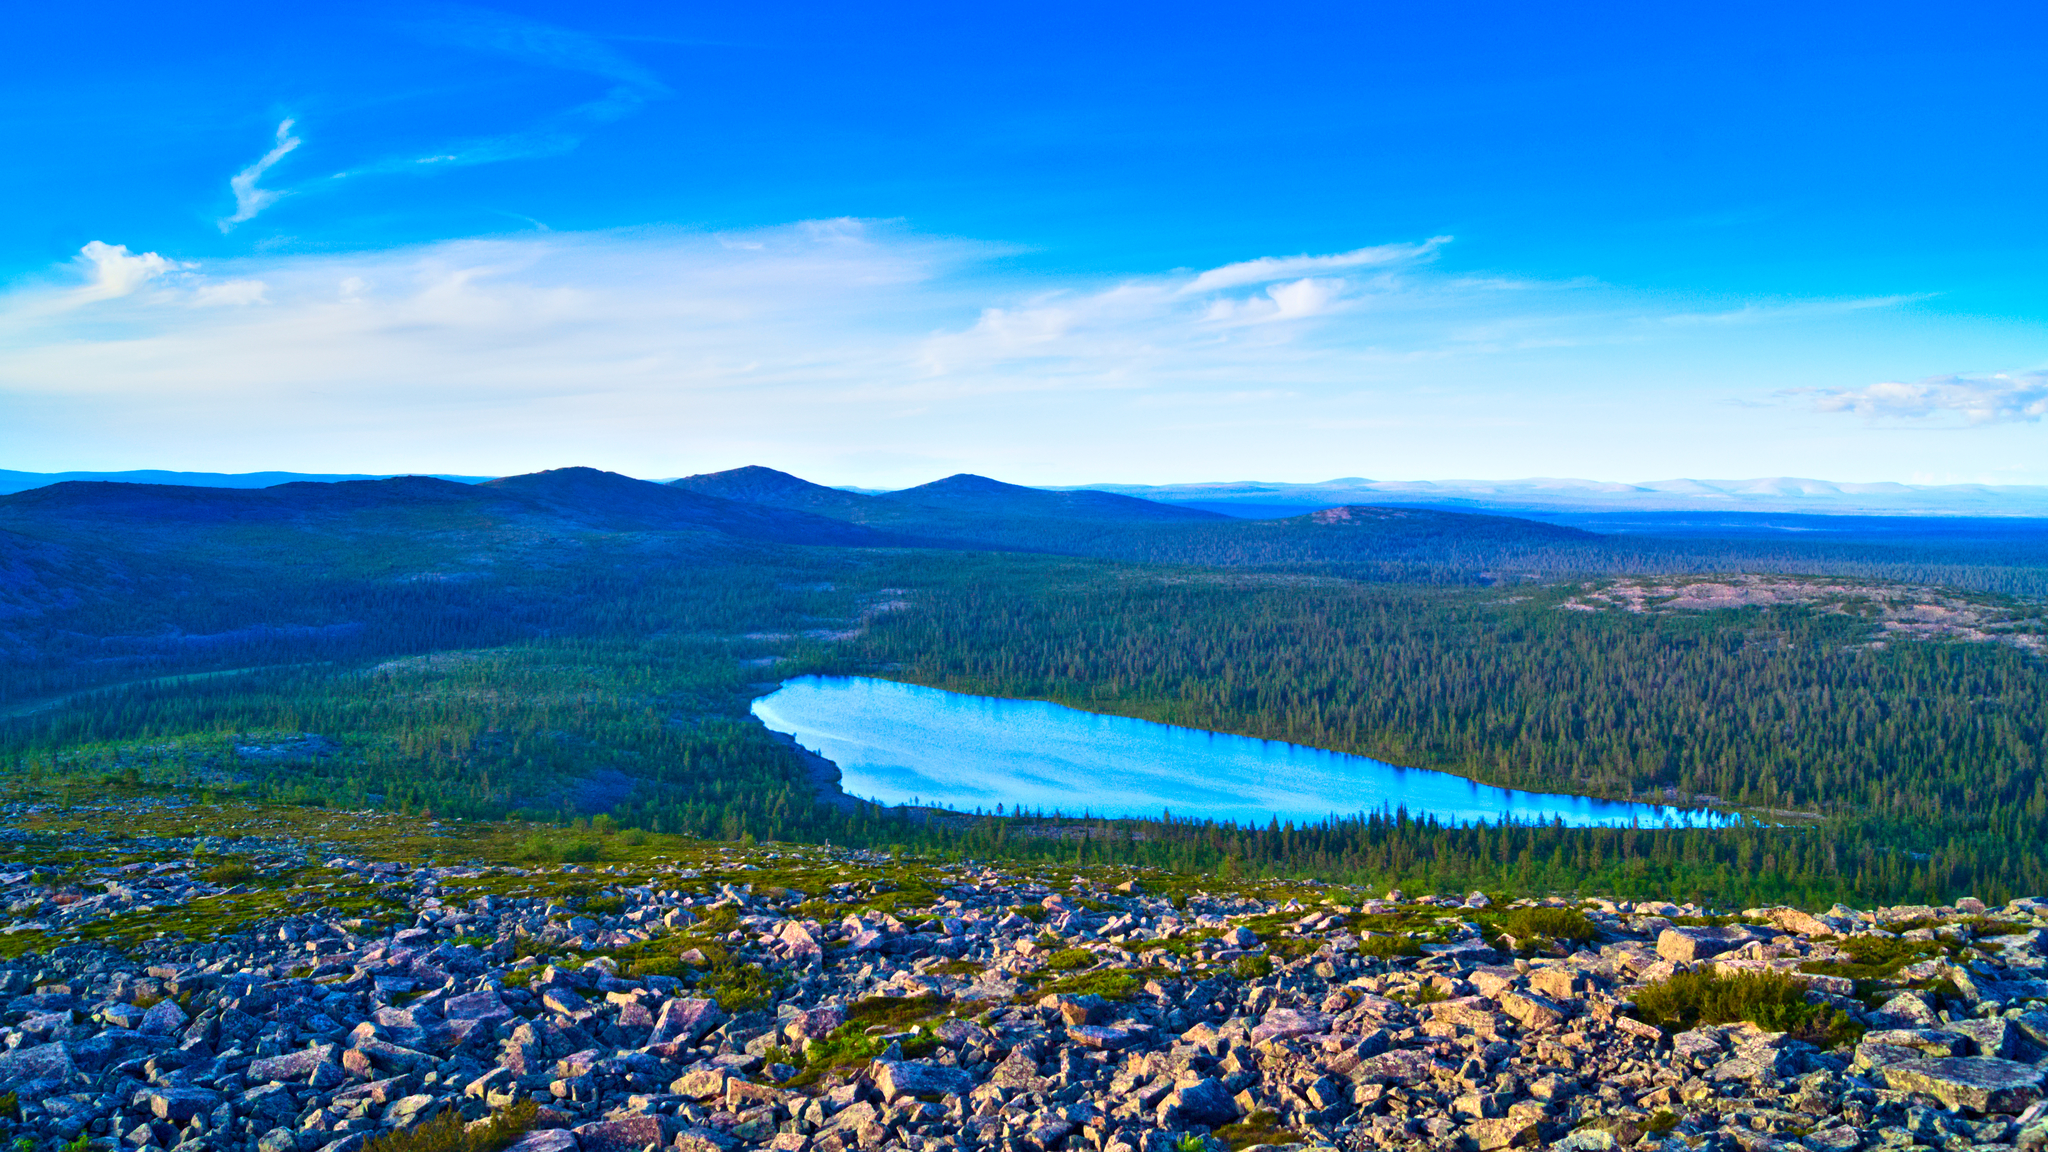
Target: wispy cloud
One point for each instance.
(231, 293)
(2000, 398)
(666, 351)
(628, 87)
(249, 199)
(1267, 269)
(1776, 311)
(631, 87)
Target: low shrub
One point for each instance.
(1108, 983)
(231, 873)
(1389, 946)
(1772, 1001)
(1422, 994)
(1070, 960)
(892, 1011)
(1874, 957)
(657, 966)
(1252, 967)
(1549, 923)
(739, 987)
(1260, 1127)
(448, 1133)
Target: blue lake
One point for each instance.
(899, 743)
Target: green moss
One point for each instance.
(1071, 960)
(1252, 967)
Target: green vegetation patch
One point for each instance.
(1260, 1127)
(1385, 947)
(740, 987)
(1772, 1001)
(1875, 958)
(1108, 983)
(447, 1132)
(1560, 924)
(1071, 960)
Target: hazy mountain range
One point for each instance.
(1259, 499)
(1772, 494)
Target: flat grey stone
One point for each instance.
(1982, 1084)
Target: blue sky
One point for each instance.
(1050, 243)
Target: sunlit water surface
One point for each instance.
(899, 743)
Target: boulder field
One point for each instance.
(688, 1005)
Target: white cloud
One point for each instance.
(1297, 300)
(231, 293)
(249, 199)
(117, 272)
(1267, 269)
(2001, 398)
(662, 351)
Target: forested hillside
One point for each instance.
(576, 644)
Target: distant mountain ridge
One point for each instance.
(11, 482)
(1253, 498)
(1768, 494)
(581, 498)
(978, 498)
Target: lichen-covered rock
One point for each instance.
(1287, 1023)
(1691, 944)
(1981, 1084)
(896, 1079)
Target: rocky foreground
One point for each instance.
(682, 1004)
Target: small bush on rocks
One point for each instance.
(231, 873)
(447, 1132)
(1252, 967)
(1874, 957)
(1260, 1127)
(1070, 959)
(893, 1011)
(739, 987)
(1549, 923)
(1770, 1000)
(1384, 947)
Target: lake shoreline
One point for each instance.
(916, 747)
